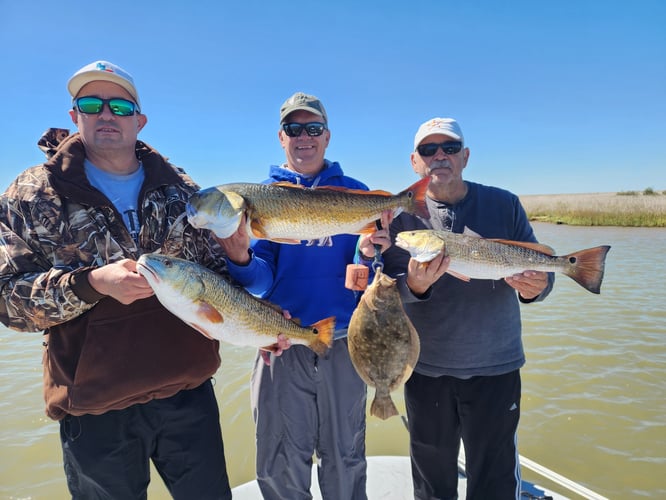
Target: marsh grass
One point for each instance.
(630, 209)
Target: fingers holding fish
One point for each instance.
(529, 284)
(422, 275)
(283, 343)
(237, 245)
(121, 281)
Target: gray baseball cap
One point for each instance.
(305, 102)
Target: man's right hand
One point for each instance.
(121, 281)
(422, 275)
(237, 245)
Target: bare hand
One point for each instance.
(528, 284)
(282, 344)
(120, 281)
(237, 245)
(380, 237)
(422, 275)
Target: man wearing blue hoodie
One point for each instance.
(303, 403)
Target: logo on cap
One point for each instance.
(102, 67)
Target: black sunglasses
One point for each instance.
(430, 148)
(313, 129)
(91, 105)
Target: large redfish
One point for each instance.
(473, 257)
(383, 344)
(219, 310)
(289, 213)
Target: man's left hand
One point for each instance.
(529, 284)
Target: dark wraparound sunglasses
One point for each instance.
(313, 129)
(94, 105)
(430, 148)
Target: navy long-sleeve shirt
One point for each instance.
(466, 328)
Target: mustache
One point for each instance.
(438, 164)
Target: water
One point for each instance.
(594, 386)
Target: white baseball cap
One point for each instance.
(445, 126)
(105, 71)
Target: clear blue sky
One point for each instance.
(553, 97)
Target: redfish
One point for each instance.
(473, 257)
(289, 213)
(219, 310)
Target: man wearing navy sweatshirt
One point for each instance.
(466, 384)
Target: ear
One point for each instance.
(412, 158)
(74, 116)
(141, 122)
(465, 156)
(282, 139)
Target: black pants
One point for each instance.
(108, 456)
(484, 413)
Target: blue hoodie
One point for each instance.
(308, 281)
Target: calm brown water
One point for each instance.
(594, 386)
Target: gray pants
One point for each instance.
(302, 404)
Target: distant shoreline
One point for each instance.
(628, 209)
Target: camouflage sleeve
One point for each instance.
(34, 293)
(196, 245)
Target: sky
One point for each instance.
(552, 97)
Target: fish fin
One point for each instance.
(537, 247)
(417, 193)
(369, 228)
(286, 241)
(467, 231)
(324, 329)
(258, 231)
(288, 184)
(201, 330)
(209, 312)
(588, 267)
(383, 407)
(342, 189)
(461, 277)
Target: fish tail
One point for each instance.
(383, 407)
(325, 329)
(417, 198)
(588, 267)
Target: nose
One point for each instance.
(440, 154)
(106, 111)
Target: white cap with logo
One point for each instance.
(105, 71)
(445, 126)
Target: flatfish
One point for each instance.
(383, 344)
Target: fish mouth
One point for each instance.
(191, 212)
(146, 271)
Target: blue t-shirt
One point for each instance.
(122, 190)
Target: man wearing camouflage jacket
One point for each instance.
(127, 381)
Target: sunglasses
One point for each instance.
(430, 148)
(94, 105)
(313, 129)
